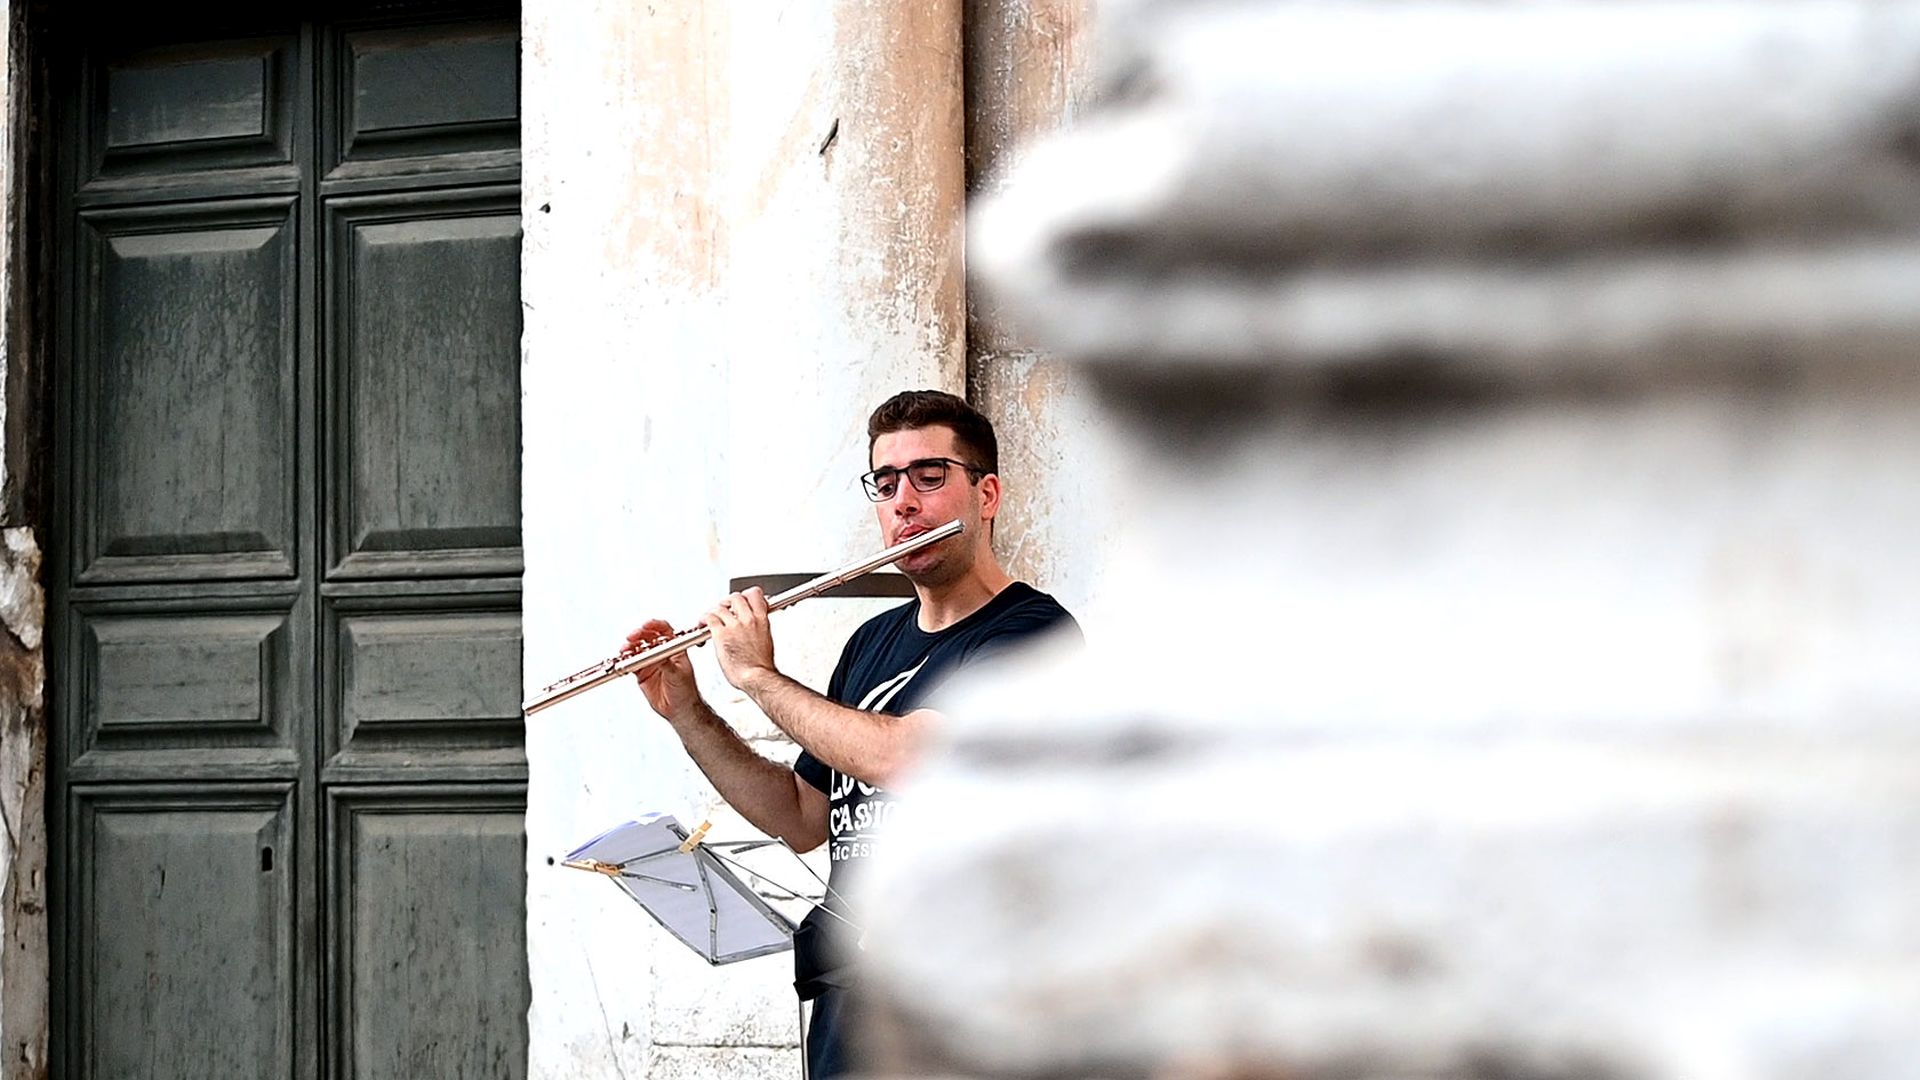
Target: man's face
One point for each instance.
(909, 511)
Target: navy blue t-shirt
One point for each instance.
(890, 665)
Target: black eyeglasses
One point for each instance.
(926, 474)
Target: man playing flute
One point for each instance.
(933, 459)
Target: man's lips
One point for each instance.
(908, 532)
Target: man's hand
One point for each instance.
(742, 636)
(767, 793)
(669, 685)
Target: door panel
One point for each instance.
(405, 681)
(186, 108)
(188, 359)
(177, 687)
(186, 927)
(427, 354)
(412, 99)
(431, 962)
(199, 680)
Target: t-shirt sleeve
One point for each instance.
(813, 771)
(837, 682)
(1025, 627)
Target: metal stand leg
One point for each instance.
(802, 1006)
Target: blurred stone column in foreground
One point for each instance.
(1523, 404)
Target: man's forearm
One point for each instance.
(875, 747)
(761, 790)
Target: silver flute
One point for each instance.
(636, 660)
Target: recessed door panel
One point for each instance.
(187, 369)
(413, 98)
(430, 932)
(185, 922)
(215, 682)
(407, 680)
(426, 383)
(186, 109)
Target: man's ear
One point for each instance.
(989, 496)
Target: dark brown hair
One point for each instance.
(911, 410)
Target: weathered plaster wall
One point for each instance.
(742, 231)
(23, 743)
(1027, 73)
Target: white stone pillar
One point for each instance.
(1523, 407)
(742, 232)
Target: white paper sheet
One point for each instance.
(691, 894)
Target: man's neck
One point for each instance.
(942, 606)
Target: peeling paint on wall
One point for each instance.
(902, 134)
(23, 848)
(24, 1000)
(1027, 72)
(674, 57)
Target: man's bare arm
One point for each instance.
(770, 795)
(873, 746)
(774, 798)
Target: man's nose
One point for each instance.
(906, 500)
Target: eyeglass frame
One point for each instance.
(868, 484)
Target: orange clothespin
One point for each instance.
(595, 865)
(694, 838)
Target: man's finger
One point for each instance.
(756, 599)
(651, 631)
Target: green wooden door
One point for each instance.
(287, 781)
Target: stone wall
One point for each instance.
(23, 731)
